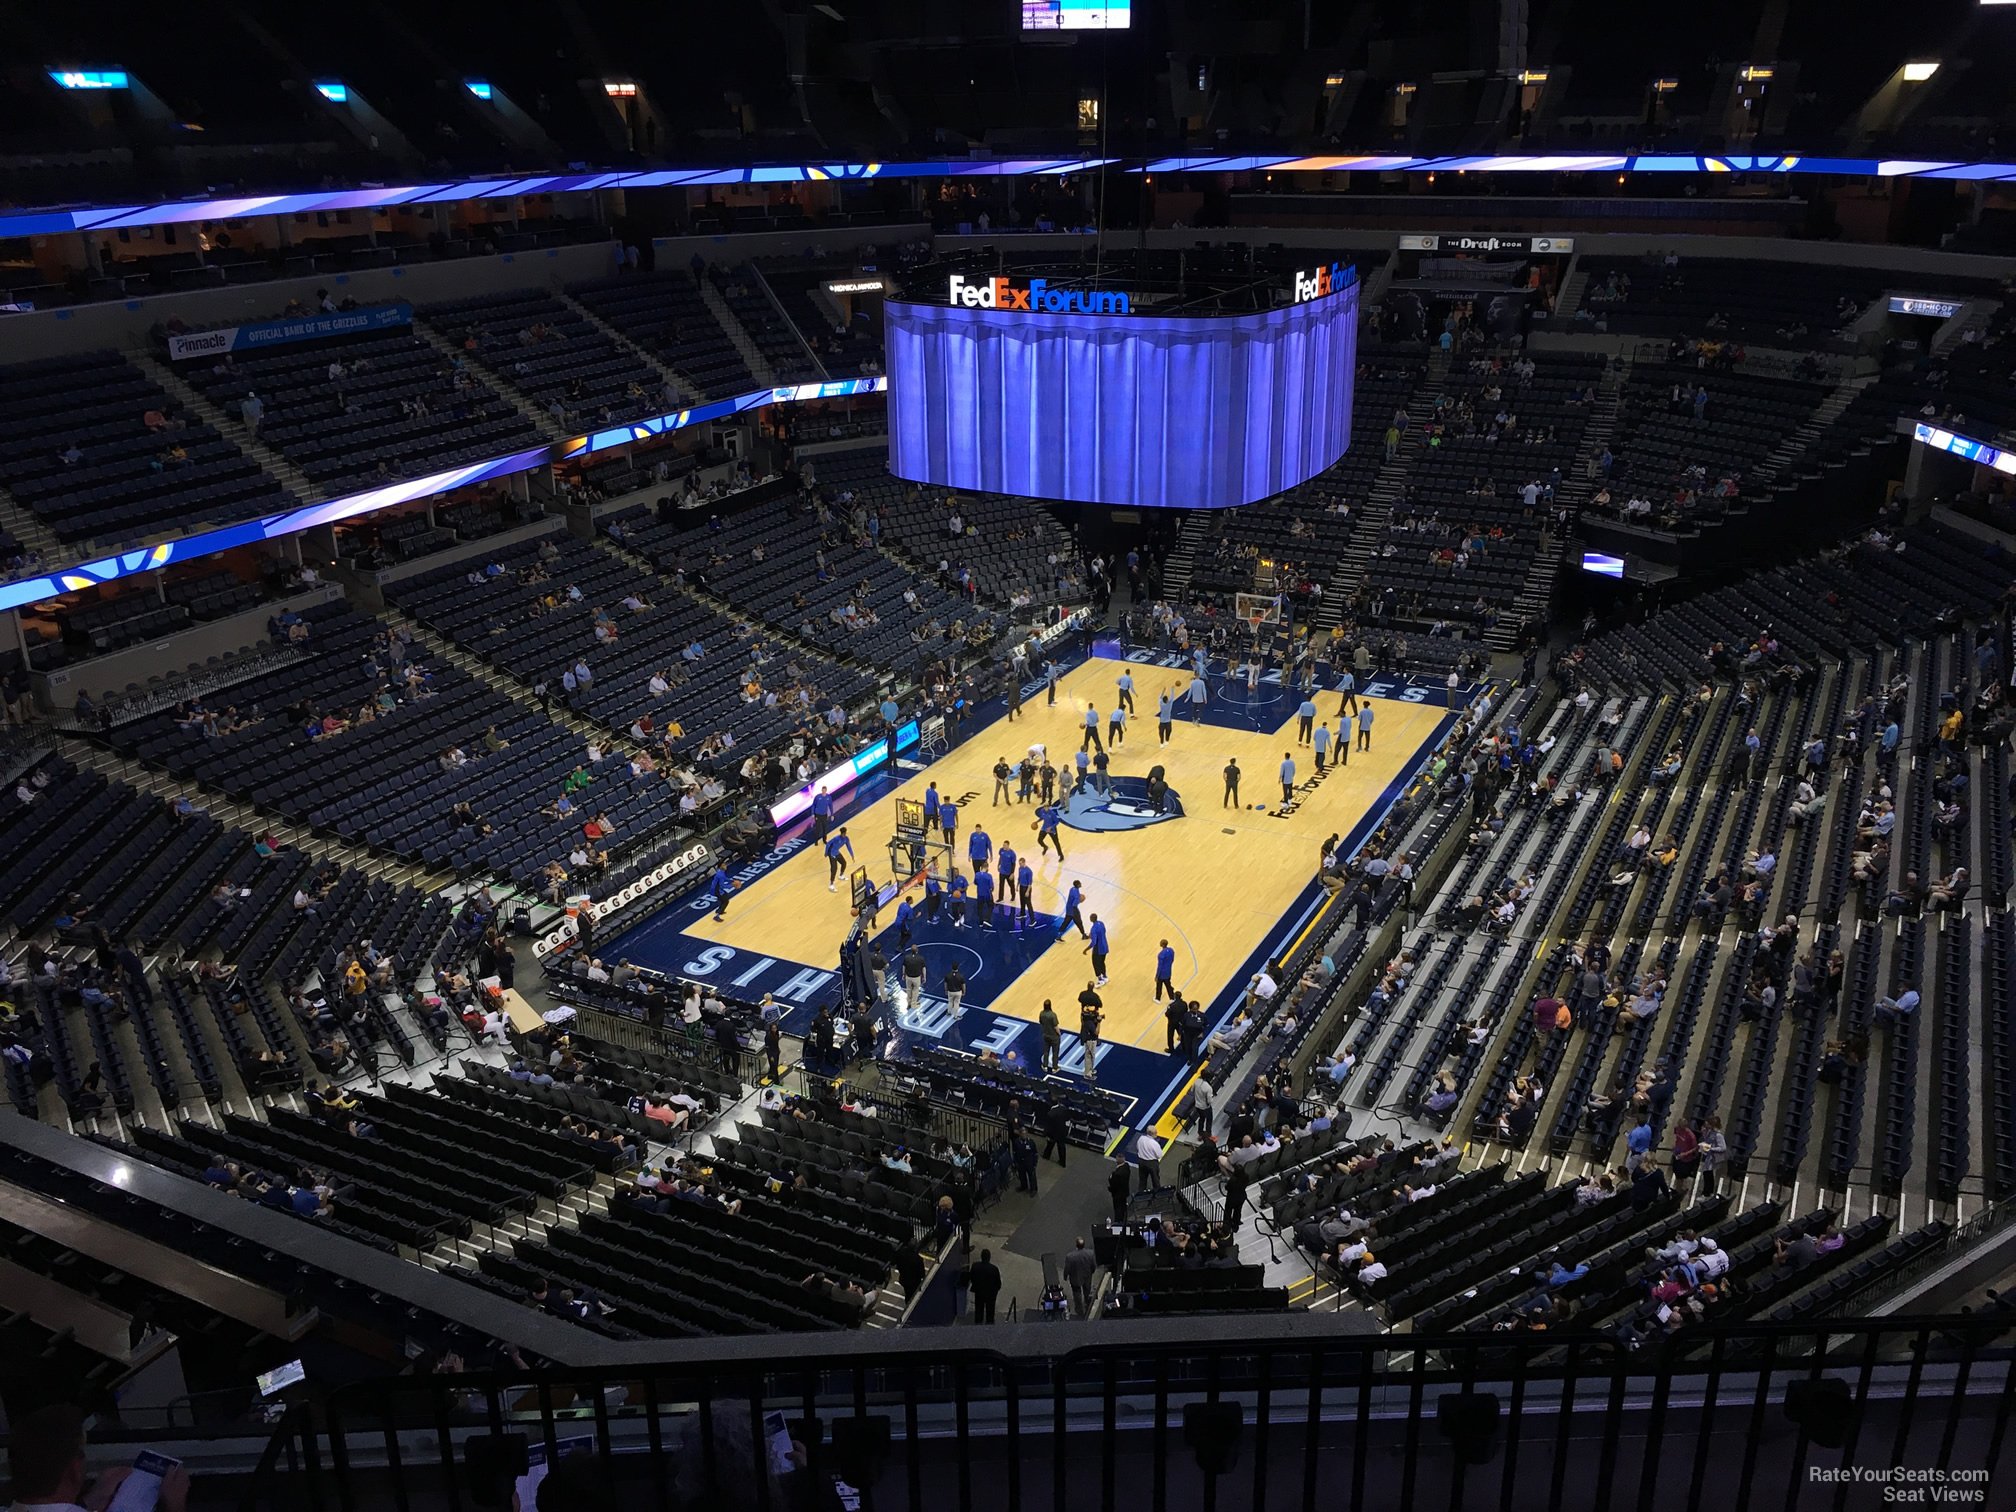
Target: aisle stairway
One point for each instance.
(1181, 563)
(229, 423)
(673, 382)
(499, 380)
(1796, 445)
(1536, 595)
(1388, 486)
(751, 354)
(254, 821)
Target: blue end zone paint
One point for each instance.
(993, 957)
(1237, 699)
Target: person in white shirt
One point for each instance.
(1372, 1270)
(1203, 1105)
(1262, 988)
(46, 1462)
(1711, 1261)
(1148, 1160)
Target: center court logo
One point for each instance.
(1126, 805)
(1036, 296)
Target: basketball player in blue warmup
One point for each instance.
(931, 808)
(835, 867)
(1096, 945)
(1073, 901)
(1025, 884)
(1046, 830)
(983, 896)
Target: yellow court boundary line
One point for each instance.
(1167, 1125)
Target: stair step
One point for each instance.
(541, 417)
(674, 384)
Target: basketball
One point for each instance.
(1035, 824)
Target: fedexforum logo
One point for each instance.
(1036, 296)
(1323, 281)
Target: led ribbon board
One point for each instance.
(843, 776)
(1518, 162)
(998, 394)
(34, 590)
(1940, 439)
(56, 220)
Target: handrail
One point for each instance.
(892, 1402)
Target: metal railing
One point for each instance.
(1274, 1412)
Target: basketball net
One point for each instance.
(1257, 609)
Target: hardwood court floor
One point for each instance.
(1214, 883)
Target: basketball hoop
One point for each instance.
(1257, 610)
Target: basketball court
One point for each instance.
(1227, 886)
(1211, 882)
